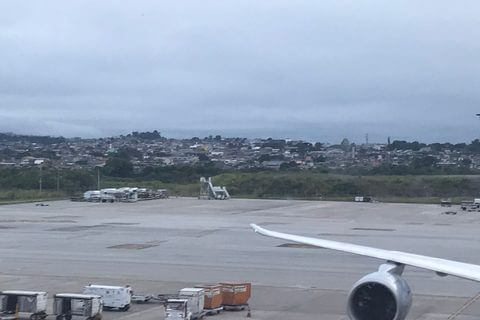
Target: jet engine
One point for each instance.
(382, 295)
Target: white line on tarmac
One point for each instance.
(137, 315)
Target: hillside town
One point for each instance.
(150, 149)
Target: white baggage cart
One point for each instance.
(32, 304)
(67, 305)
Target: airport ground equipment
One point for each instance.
(141, 298)
(235, 295)
(114, 297)
(67, 305)
(30, 303)
(446, 202)
(363, 199)
(162, 194)
(196, 301)
(177, 309)
(209, 191)
(92, 195)
(213, 298)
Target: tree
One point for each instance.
(128, 153)
(319, 159)
(118, 167)
(288, 165)
(466, 162)
(345, 145)
(424, 162)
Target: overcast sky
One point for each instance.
(317, 70)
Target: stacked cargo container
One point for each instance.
(236, 293)
(213, 296)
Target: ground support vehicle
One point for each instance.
(67, 305)
(141, 298)
(24, 303)
(114, 297)
(196, 301)
(177, 309)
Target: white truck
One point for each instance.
(196, 301)
(114, 297)
(92, 196)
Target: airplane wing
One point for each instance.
(441, 266)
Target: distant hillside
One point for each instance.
(31, 139)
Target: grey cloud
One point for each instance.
(317, 70)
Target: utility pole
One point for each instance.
(58, 180)
(98, 178)
(41, 181)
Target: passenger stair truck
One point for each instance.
(177, 309)
(196, 301)
(113, 297)
(209, 191)
(30, 304)
(66, 305)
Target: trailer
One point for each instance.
(114, 297)
(32, 304)
(66, 305)
(141, 298)
(211, 312)
(445, 203)
(362, 199)
(464, 205)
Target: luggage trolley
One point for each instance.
(67, 305)
(24, 303)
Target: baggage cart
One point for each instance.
(236, 293)
(213, 295)
(67, 305)
(32, 304)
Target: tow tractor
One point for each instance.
(177, 309)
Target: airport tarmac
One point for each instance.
(164, 245)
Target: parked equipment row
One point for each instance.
(89, 305)
(187, 304)
(209, 299)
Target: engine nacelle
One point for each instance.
(382, 295)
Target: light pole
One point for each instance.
(58, 180)
(40, 182)
(98, 177)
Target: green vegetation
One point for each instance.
(312, 185)
(23, 184)
(17, 195)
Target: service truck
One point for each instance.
(177, 309)
(113, 297)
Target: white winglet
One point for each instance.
(441, 266)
